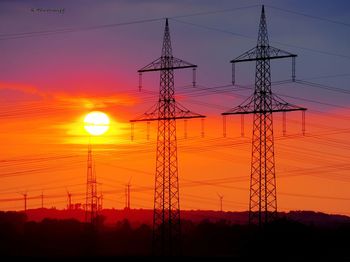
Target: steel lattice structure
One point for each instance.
(262, 104)
(91, 204)
(166, 216)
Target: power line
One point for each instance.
(253, 38)
(327, 76)
(312, 101)
(8, 36)
(70, 30)
(215, 11)
(310, 16)
(326, 87)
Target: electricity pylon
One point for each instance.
(69, 200)
(221, 198)
(42, 199)
(127, 196)
(262, 104)
(25, 197)
(91, 204)
(166, 216)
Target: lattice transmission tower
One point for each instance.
(262, 104)
(91, 205)
(166, 216)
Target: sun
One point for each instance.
(96, 123)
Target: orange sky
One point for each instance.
(89, 59)
(44, 149)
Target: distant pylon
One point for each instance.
(166, 216)
(263, 197)
(25, 201)
(42, 199)
(127, 196)
(69, 204)
(91, 190)
(100, 202)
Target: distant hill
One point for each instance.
(137, 217)
(317, 218)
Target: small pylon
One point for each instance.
(91, 206)
(25, 197)
(42, 199)
(127, 196)
(69, 200)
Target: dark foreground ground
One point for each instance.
(283, 240)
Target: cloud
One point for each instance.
(18, 91)
(95, 101)
(28, 89)
(25, 92)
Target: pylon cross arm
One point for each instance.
(180, 113)
(166, 63)
(277, 105)
(262, 53)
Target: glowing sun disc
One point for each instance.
(96, 123)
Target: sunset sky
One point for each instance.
(57, 67)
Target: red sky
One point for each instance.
(48, 84)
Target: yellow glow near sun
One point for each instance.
(96, 123)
